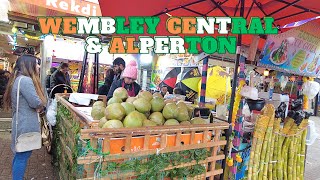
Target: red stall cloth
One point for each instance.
(283, 11)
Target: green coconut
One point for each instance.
(146, 95)
(128, 107)
(121, 93)
(157, 104)
(142, 105)
(149, 123)
(102, 122)
(99, 103)
(113, 124)
(182, 104)
(185, 123)
(115, 111)
(183, 114)
(159, 95)
(134, 119)
(170, 111)
(198, 120)
(131, 99)
(171, 122)
(157, 117)
(97, 112)
(114, 100)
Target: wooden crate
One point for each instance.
(118, 146)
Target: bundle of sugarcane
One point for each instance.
(269, 111)
(264, 124)
(258, 136)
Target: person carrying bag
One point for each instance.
(26, 98)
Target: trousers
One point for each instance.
(19, 164)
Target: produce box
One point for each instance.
(86, 151)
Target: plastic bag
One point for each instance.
(297, 104)
(281, 111)
(312, 134)
(310, 89)
(246, 110)
(52, 112)
(249, 92)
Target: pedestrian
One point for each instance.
(31, 102)
(4, 78)
(60, 77)
(104, 89)
(164, 90)
(118, 66)
(127, 81)
(50, 72)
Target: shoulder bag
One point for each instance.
(26, 141)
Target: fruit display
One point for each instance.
(278, 152)
(143, 110)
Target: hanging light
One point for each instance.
(266, 72)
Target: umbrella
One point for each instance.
(171, 78)
(189, 81)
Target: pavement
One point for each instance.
(40, 167)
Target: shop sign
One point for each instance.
(296, 51)
(76, 7)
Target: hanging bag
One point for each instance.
(26, 141)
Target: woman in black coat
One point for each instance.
(104, 89)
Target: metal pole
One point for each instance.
(233, 92)
(83, 70)
(316, 105)
(96, 73)
(203, 82)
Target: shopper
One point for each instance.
(178, 91)
(50, 72)
(31, 101)
(118, 66)
(164, 90)
(104, 89)
(60, 77)
(127, 81)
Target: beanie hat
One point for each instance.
(131, 70)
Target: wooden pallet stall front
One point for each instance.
(159, 152)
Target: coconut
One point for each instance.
(134, 119)
(157, 104)
(113, 124)
(97, 112)
(185, 123)
(149, 123)
(146, 95)
(170, 111)
(114, 100)
(102, 122)
(142, 105)
(171, 122)
(121, 93)
(128, 107)
(182, 104)
(157, 117)
(183, 114)
(198, 120)
(131, 99)
(99, 103)
(115, 111)
(159, 95)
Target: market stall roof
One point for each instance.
(283, 11)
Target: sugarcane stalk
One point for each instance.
(294, 166)
(285, 149)
(273, 154)
(280, 158)
(252, 152)
(298, 156)
(290, 159)
(303, 152)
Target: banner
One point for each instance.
(296, 51)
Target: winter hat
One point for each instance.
(131, 70)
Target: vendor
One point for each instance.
(164, 90)
(118, 66)
(127, 81)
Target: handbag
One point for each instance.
(26, 141)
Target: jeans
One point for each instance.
(19, 164)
